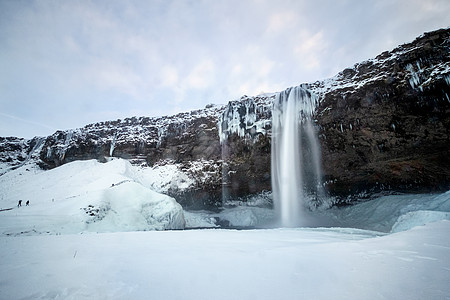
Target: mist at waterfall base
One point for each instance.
(295, 158)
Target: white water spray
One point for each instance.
(296, 170)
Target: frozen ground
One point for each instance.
(228, 264)
(82, 238)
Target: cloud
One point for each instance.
(114, 76)
(10, 124)
(281, 21)
(70, 62)
(15, 118)
(169, 76)
(309, 49)
(202, 76)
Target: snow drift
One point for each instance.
(84, 196)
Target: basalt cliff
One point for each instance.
(383, 125)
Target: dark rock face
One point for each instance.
(244, 129)
(183, 137)
(15, 152)
(12, 151)
(382, 124)
(391, 132)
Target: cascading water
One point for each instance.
(296, 169)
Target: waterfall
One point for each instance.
(296, 169)
(113, 145)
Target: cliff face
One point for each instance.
(188, 141)
(382, 124)
(386, 124)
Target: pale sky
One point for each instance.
(65, 64)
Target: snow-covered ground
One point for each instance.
(83, 196)
(228, 264)
(84, 238)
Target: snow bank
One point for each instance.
(200, 219)
(240, 216)
(418, 218)
(131, 207)
(83, 196)
(245, 216)
(382, 213)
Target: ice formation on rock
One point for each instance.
(243, 117)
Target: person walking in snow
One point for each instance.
(20, 203)
(27, 203)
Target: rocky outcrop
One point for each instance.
(385, 125)
(382, 124)
(15, 152)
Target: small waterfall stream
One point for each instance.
(296, 167)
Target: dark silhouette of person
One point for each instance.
(27, 203)
(20, 203)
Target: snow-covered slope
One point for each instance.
(83, 196)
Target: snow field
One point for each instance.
(228, 264)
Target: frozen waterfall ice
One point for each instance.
(296, 168)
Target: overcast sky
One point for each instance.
(65, 64)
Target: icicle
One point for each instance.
(447, 79)
(415, 79)
(240, 117)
